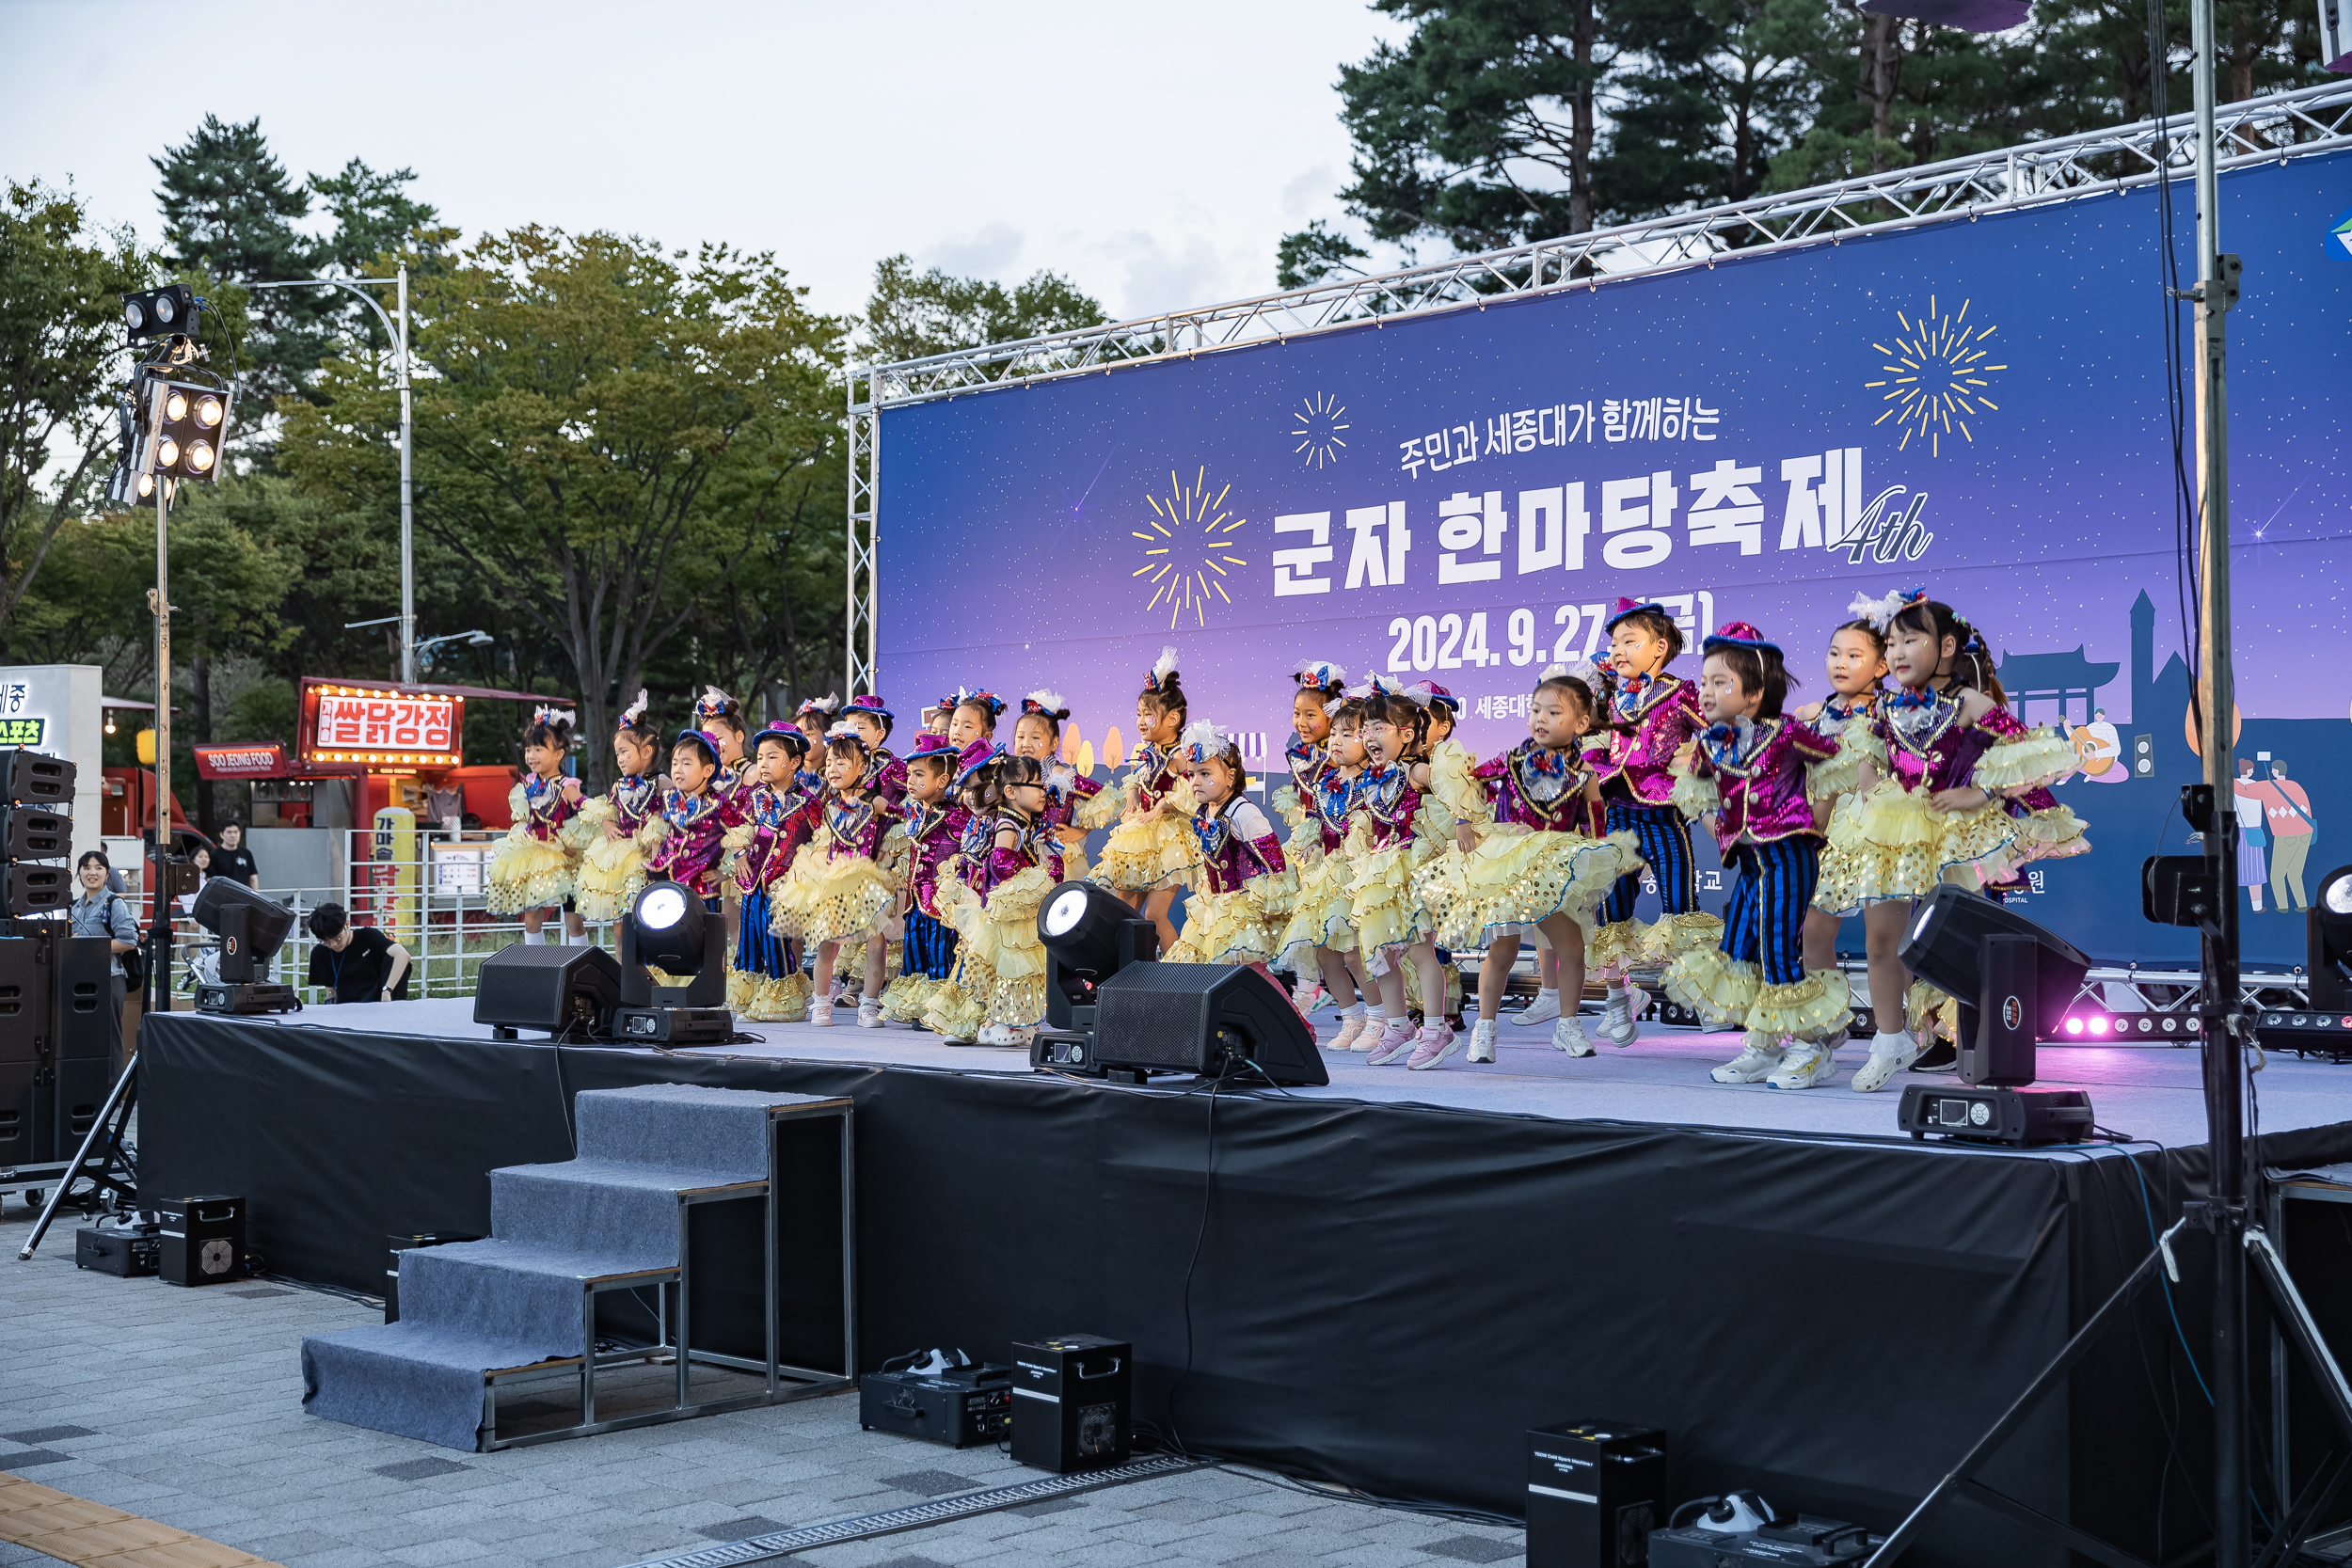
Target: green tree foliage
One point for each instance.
(1499, 121)
(601, 428)
(61, 362)
(913, 315)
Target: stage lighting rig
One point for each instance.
(666, 928)
(251, 930)
(163, 313)
(1089, 934)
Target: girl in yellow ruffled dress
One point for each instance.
(613, 869)
(838, 893)
(1325, 765)
(1151, 853)
(1074, 804)
(1745, 776)
(1857, 670)
(1388, 842)
(1536, 859)
(536, 862)
(1010, 862)
(1963, 797)
(1243, 892)
(777, 817)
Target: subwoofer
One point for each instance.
(1208, 1019)
(569, 991)
(84, 998)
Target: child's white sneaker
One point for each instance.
(1759, 1056)
(1542, 1010)
(869, 1013)
(1482, 1045)
(1568, 1035)
(1620, 1020)
(1807, 1065)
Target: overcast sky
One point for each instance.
(1154, 153)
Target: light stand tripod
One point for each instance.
(104, 1158)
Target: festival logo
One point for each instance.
(1320, 426)
(1188, 549)
(1937, 376)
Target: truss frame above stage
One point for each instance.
(2090, 164)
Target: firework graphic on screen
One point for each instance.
(1188, 549)
(1937, 373)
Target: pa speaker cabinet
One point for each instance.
(27, 1000)
(1594, 1490)
(204, 1239)
(1073, 1402)
(21, 1143)
(34, 833)
(35, 779)
(561, 989)
(1203, 1018)
(31, 891)
(84, 997)
(73, 1101)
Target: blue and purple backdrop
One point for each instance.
(1977, 405)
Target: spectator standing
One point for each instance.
(100, 911)
(356, 964)
(2287, 812)
(233, 859)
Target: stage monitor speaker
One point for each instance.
(35, 779)
(36, 890)
(570, 990)
(85, 971)
(34, 833)
(1209, 1018)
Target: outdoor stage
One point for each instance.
(1399, 1274)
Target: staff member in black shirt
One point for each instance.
(231, 859)
(356, 964)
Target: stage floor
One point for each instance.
(2153, 1093)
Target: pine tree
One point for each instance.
(229, 212)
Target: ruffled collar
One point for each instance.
(1732, 746)
(1637, 694)
(1836, 712)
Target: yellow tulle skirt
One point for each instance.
(1381, 903)
(1000, 963)
(1150, 852)
(1319, 912)
(909, 997)
(1729, 992)
(845, 898)
(1228, 928)
(1625, 945)
(767, 998)
(1515, 877)
(1890, 843)
(611, 873)
(1929, 1014)
(526, 873)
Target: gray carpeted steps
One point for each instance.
(474, 1307)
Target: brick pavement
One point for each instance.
(185, 1406)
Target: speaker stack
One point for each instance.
(54, 989)
(36, 834)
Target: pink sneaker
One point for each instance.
(1395, 1040)
(1434, 1045)
(821, 1013)
(1352, 1027)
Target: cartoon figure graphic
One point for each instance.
(2284, 813)
(2101, 750)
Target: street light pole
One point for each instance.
(399, 335)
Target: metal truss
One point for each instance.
(2078, 167)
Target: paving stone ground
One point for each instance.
(185, 1406)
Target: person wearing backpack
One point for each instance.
(100, 911)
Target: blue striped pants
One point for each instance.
(931, 946)
(1764, 922)
(1667, 846)
(757, 949)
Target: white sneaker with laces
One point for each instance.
(1889, 1055)
(1482, 1045)
(1394, 1042)
(1807, 1066)
(1568, 1035)
(1542, 1010)
(1620, 1023)
(1760, 1054)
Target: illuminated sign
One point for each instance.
(22, 732)
(241, 762)
(374, 726)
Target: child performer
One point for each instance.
(693, 819)
(837, 892)
(766, 983)
(1857, 665)
(885, 775)
(936, 717)
(1747, 776)
(935, 831)
(1011, 861)
(1652, 715)
(612, 871)
(1449, 764)
(1963, 799)
(1535, 862)
(536, 862)
(1069, 797)
(1319, 932)
(1151, 852)
(1308, 757)
(723, 715)
(973, 718)
(1243, 892)
(813, 718)
(1386, 846)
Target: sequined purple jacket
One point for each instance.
(1388, 802)
(935, 833)
(781, 823)
(1664, 713)
(1237, 844)
(1931, 748)
(690, 852)
(1760, 780)
(1540, 789)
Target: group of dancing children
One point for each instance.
(815, 840)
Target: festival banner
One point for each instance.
(1978, 406)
